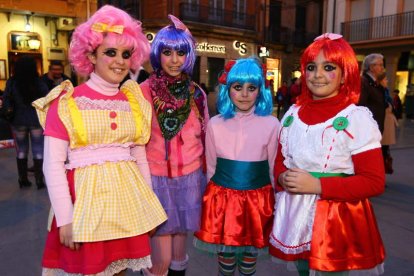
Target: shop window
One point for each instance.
(215, 67)
(196, 71)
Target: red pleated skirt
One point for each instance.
(92, 257)
(237, 217)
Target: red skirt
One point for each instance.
(237, 217)
(92, 257)
(345, 237)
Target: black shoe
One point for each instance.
(22, 171)
(24, 183)
(176, 272)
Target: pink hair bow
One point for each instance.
(330, 36)
(178, 24)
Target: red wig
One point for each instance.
(337, 51)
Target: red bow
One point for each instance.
(223, 77)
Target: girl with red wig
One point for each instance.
(329, 165)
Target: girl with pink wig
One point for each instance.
(328, 166)
(95, 165)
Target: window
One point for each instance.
(216, 8)
(215, 66)
(132, 7)
(239, 10)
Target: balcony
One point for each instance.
(379, 28)
(217, 17)
(286, 36)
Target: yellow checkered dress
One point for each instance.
(112, 199)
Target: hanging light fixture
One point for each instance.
(28, 27)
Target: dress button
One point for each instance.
(112, 114)
(114, 126)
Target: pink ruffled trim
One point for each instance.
(98, 155)
(85, 103)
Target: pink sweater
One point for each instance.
(186, 147)
(245, 137)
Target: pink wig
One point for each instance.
(85, 40)
(337, 51)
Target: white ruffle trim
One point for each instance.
(114, 268)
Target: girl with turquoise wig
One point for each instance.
(241, 145)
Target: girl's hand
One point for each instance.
(65, 235)
(298, 181)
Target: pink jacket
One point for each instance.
(186, 148)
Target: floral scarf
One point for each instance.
(171, 97)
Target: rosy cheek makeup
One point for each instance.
(332, 75)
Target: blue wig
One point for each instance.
(247, 70)
(174, 39)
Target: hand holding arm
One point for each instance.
(299, 181)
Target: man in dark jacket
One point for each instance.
(372, 95)
(55, 75)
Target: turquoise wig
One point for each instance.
(246, 70)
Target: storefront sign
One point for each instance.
(241, 47)
(212, 48)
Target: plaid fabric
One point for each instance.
(112, 199)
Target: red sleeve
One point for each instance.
(368, 181)
(279, 168)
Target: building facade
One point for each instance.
(275, 30)
(378, 26)
(40, 29)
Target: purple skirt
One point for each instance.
(181, 198)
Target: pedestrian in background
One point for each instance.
(175, 151)
(241, 145)
(390, 124)
(281, 95)
(55, 75)
(21, 90)
(328, 167)
(372, 94)
(95, 165)
(397, 104)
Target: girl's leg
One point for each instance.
(247, 264)
(21, 137)
(302, 267)
(179, 260)
(36, 139)
(161, 249)
(226, 263)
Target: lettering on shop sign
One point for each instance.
(241, 47)
(212, 48)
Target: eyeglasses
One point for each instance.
(379, 64)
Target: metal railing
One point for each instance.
(219, 17)
(383, 27)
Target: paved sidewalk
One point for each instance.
(23, 217)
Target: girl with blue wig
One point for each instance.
(175, 151)
(241, 145)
